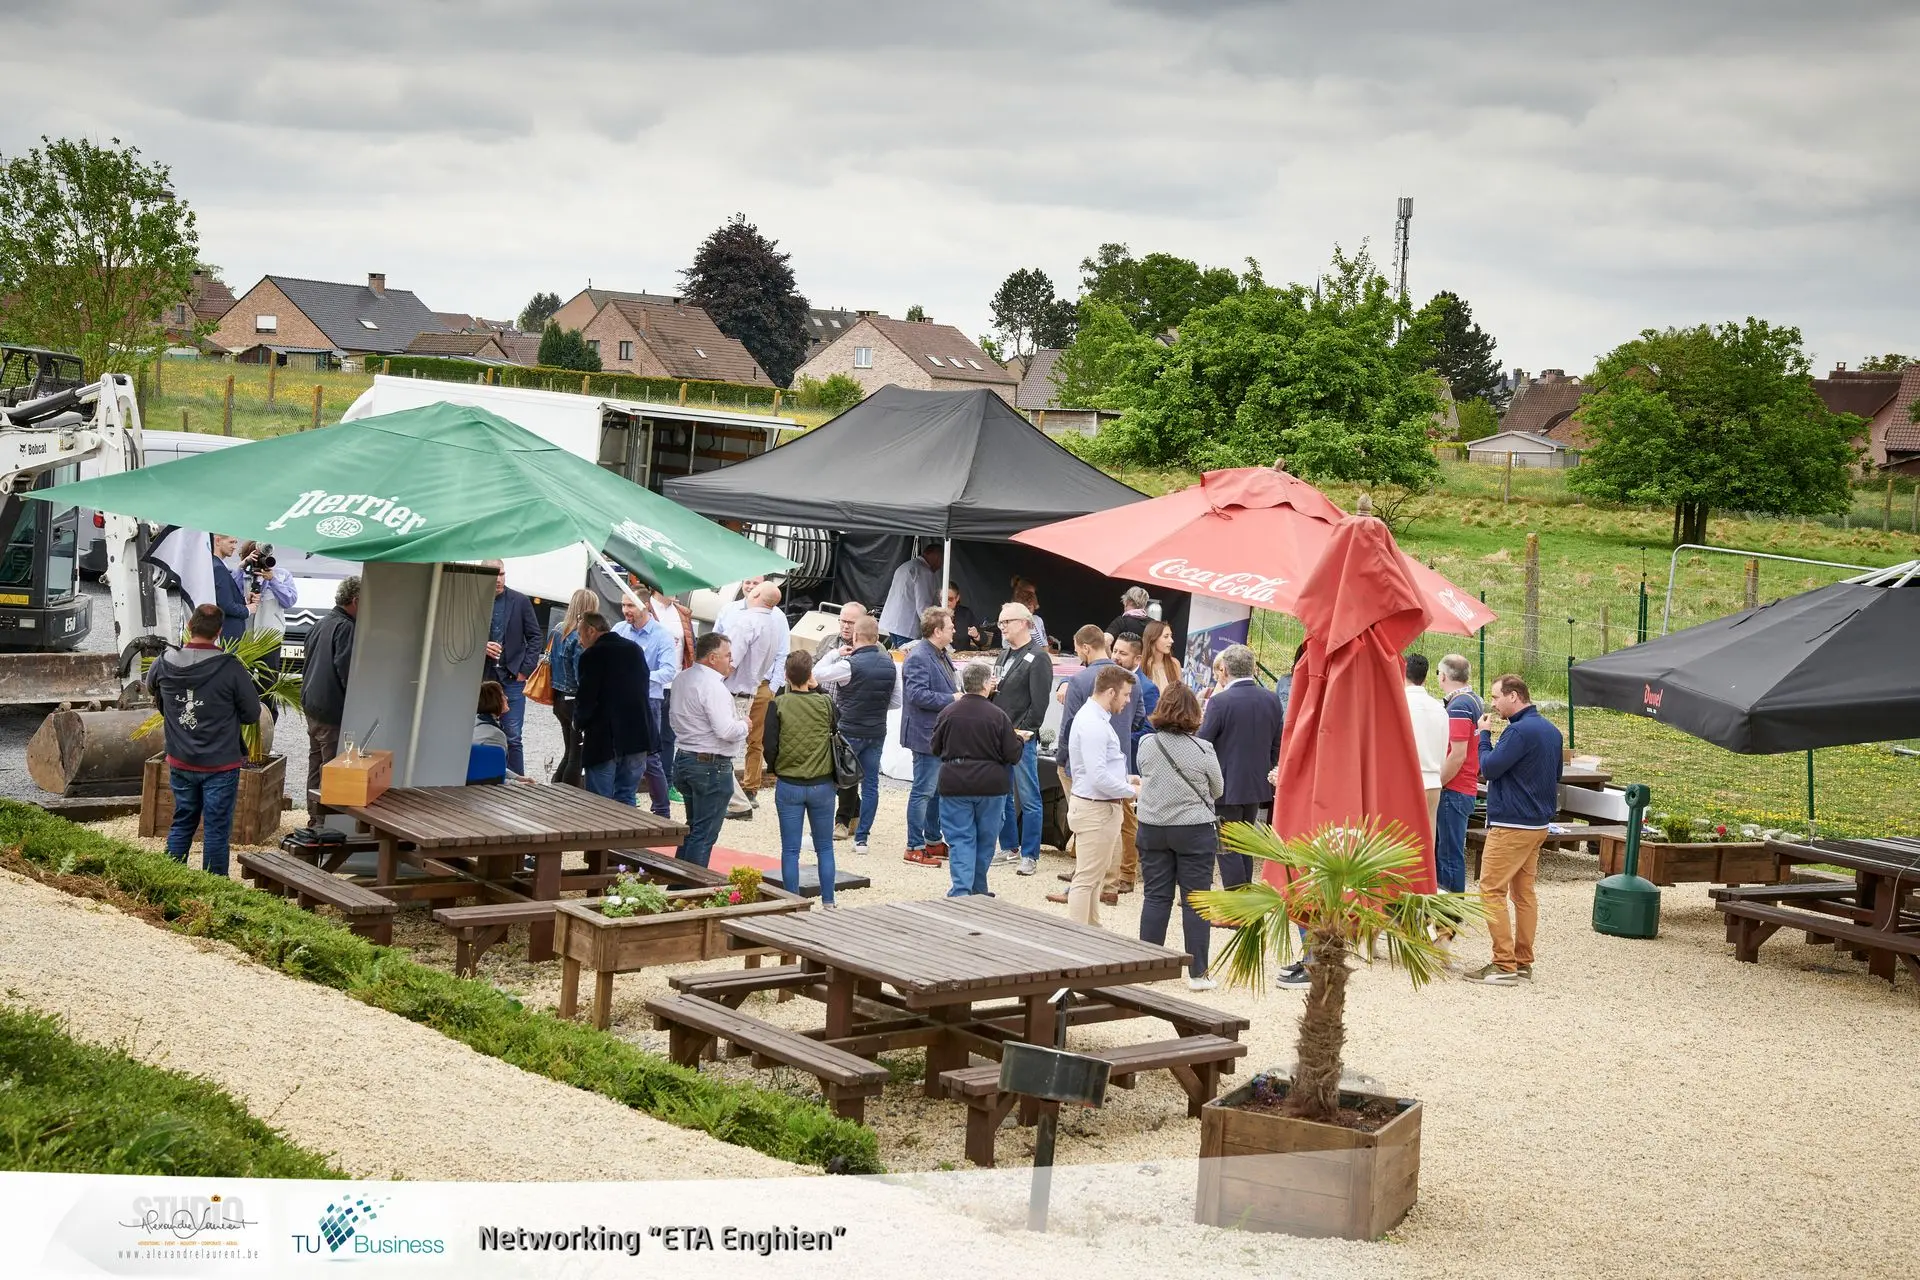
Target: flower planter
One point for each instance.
(256, 809)
(1262, 1171)
(1666, 862)
(585, 938)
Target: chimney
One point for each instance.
(1552, 375)
(926, 319)
(377, 281)
(1839, 366)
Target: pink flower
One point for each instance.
(1720, 830)
(733, 898)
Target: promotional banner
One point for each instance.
(1212, 625)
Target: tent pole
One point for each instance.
(426, 656)
(946, 571)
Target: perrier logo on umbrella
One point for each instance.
(350, 509)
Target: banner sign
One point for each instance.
(1212, 625)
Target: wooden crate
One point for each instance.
(1265, 1172)
(354, 783)
(1668, 863)
(256, 809)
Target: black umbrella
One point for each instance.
(1834, 666)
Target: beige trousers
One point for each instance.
(1508, 866)
(1096, 826)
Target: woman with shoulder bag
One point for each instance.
(799, 751)
(1179, 783)
(563, 666)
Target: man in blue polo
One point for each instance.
(1523, 794)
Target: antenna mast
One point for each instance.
(1402, 232)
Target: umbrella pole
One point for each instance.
(946, 570)
(426, 656)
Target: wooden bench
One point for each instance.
(692, 1023)
(1758, 921)
(730, 986)
(1195, 1061)
(1189, 1017)
(1572, 838)
(477, 928)
(368, 914)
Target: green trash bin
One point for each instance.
(1628, 905)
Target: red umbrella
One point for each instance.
(1246, 536)
(1347, 753)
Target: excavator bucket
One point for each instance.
(47, 678)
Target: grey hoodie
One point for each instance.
(205, 696)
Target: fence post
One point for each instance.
(776, 402)
(1913, 521)
(683, 393)
(1606, 641)
(226, 415)
(1569, 702)
(140, 392)
(1506, 488)
(183, 419)
(156, 373)
(1753, 584)
(273, 377)
(316, 406)
(1886, 509)
(1483, 653)
(1530, 636)
(1640, 630)
(583, 382)
(386, 366)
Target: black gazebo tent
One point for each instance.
(959, 466)
(1830, 667)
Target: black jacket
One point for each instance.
(232, 601)
(1243, 723)
(205, 695)
(1026, 685)
(864, 698)
(610, 713)
(323, 681)
(977, 747)
(520, 637)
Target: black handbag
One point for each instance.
(846, 764)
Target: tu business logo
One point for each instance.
(361, 1227)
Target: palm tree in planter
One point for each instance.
(1349, 893)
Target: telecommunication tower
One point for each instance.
(1402, 230)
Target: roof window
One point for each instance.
(368, 324)
(935, 362)
(975, 363)
(697, 351)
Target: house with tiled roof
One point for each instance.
(1885, 398)
(321, 322)
(482, 347)
(578, 311)
(918, 354)
(824, 324)
(1545, 406)
(1039, 399)
(207, 300)
(662, 339)
(1523, 448)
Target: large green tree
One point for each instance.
(1308, 375)
(1891, 362)
(1157, 292)
(743, 281)
(94, 249)
(1092, 370)
(1443, 337)
(566, 349)
(1714, 418)
(539, 310)
(1029, 315)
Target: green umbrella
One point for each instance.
(439, 483)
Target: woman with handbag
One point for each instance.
(562, 662)
(1179, 783)
(799, 751)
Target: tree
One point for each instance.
(745, 284)
(1477, 419)
(1158, 291)
(94, 248)
(991, 345)
(916, 313)
(1443, 337)
(1028, 315)
(1308, 375)
(539, 310)
(566, 349)
(1102, 357)
(1714, 418)
(1892, 362)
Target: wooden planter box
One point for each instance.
(256, 810)
(585, 938)
(1260, 1171)
(1668, 863)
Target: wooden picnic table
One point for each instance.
(474, 838)
(1874, 915)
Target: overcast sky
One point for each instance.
(1580, 171)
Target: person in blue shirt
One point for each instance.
(662, 648)
(563, 669)
(228, 594)
(1523, 794)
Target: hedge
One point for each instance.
(304, 945)
(627, 386)
(67, 1106)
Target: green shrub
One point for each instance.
(71, 1107)
(277, 933)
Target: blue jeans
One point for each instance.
(1450, 841)
(1020, 827)
(868, 749)
(618, 779)
(799, 803)
(663, 739)
(971, 821)
(202, 798)
(707, 787)
(657, 761)
(516, 716)
(923, 802)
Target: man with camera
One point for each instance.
(269, 592)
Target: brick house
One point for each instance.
(578, 311)
(484, 347)
(917, 354)
(1545, 406)
(662, 339)
(321, 322)
(824, 324)
(1885, 398)
(206, 302)
(1039, 399)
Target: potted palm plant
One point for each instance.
(263, 781)
(1317, 1159)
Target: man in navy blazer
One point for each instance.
(1243, 723)
(610, 711)
(514, 646)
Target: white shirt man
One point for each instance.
(738, 605)
(1430, 727)
(915, 584)
(1101, 788)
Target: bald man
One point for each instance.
(760, 641)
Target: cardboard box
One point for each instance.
(351, 783)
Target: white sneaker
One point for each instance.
(1201, 984)
(1027, 867)
(1004, 858)
(860, 849)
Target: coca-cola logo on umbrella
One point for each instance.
(1251, 587)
